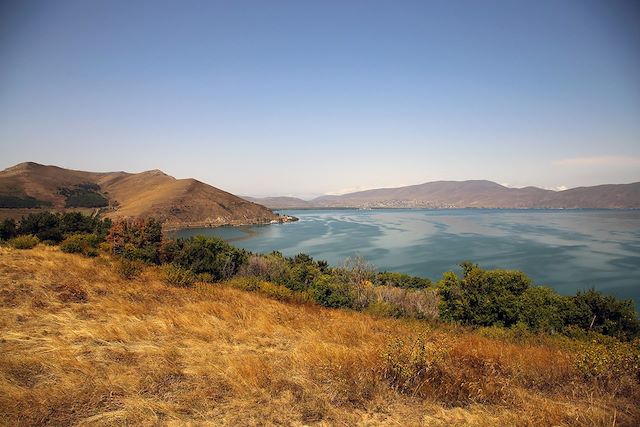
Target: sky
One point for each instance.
(307, 98)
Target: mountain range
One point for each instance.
(178, 203)
(471, 194)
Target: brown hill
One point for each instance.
(177, 202)
(487, 194)
(280, 202)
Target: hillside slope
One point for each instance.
(280, 202)
(177, 202)
(82, 346)
(488, 194)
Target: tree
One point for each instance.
(8, 229)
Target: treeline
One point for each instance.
(478, 297)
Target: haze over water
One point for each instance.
(567, 250)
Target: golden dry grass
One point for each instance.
(80, 346)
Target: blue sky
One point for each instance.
(314, 97)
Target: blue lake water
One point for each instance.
(564, 249)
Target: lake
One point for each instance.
(563, 249)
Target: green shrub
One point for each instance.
(137, 240)
(24, 242)
(250, 284)
(609, 362)
(80, 244)
(274, 291)
(401, 280)
(207, 255)
(8, 229)
(129, 269)
(482, 297)
(177, 276)
(92, 252)
(54, 227)
(328, 292)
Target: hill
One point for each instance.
(487, 194)
(280, 202)
(80, 345)
(176, 202)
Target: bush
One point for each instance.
(177, 276)
(208, 255)
(274, 291)
(328, 292)
(54, 227)
(24, 242)
(137, 240)
(129, 269)
(482, 297)
(8, 229)
(605, 314)
(610, 363)
(80, 244)
(401, 280)
(419, 304)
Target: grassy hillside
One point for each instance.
(176, 202)
(80, 345)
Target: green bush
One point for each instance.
(54, 227)
(401, 280)
(177, 276)
(274, 291)
(482, 297)
(129, 269)
(8, 229)
(24, 242)
(207, 255)
(81, 244)
(327, 291)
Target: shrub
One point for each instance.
(139, 239)
(543, 309)
(610, 363)
(177, 276)
(250, 284)
(272, 267)
(482, 297)
(79, 243)
(129, 269)
(44, 225)
(24, 242)
(54, 227)
(8, 229)
(419, 304)
(401, 280)
(327, 291)
(73, 245)
(209, 255)
(92, 252)
(274, 291)
(605, 314)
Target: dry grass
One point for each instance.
(80, 345)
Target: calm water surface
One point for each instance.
(564, 249)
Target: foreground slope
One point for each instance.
(81, 346)
(176, 202)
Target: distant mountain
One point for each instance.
(177, 202)
(280, 202)
(487, 194)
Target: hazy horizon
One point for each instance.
(305, 99)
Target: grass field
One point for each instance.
(80, 345)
